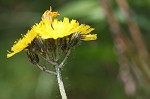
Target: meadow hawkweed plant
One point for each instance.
(51, 39)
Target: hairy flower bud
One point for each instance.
(75, 38)
(33, 57)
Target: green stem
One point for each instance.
(60, 83)
(43, 68)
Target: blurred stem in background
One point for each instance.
(133, 55)
(134, 29)
(122, 45)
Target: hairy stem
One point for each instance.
(45, 69)
(60, 83)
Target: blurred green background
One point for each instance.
(92, 71)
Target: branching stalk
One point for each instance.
(45, 69)
(58, 75)
(66, 57)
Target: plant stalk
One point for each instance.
(60, 83)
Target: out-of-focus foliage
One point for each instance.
(92, 69)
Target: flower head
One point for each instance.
(60, 29)
(52, 33)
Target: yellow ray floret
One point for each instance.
(89, 37)
(60, 29)
(22, 43)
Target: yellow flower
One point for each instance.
(50, 28)
(60, 29)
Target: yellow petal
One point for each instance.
(89, 37)
(22, 43)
